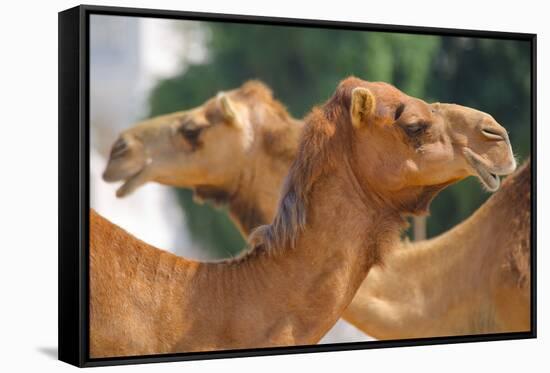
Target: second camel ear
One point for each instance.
(229, 110)
(363, 105)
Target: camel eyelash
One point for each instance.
(416, 129)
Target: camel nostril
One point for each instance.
(494, 134)
(119, 148)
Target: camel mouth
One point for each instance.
(120, 169)
(131, 177)
(489, 180)
(488, 176)
(111, 175)
(131, 171)
(132, 182)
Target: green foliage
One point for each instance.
(304, 65)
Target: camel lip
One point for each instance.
(129, 183)
(486, 174)
(113, 176)
(489, 180)
(119, 170)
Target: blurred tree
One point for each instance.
(303, 67)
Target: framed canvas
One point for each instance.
(235, 186)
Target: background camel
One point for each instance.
(392, 303)
(294, 283)
(235, 149)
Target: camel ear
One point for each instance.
(229, 110)
(362, 106)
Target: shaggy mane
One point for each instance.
(325, 137)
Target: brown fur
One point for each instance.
(146, 301)
(277, 138)
(314, 159)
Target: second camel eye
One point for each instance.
(190, 134)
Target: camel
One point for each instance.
(434, 260)
(342, 207)
(234, 150)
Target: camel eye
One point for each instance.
(191, 134)
(399, 111)
(413, 130)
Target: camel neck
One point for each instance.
(253, 201)
(300, 291)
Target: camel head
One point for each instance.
(411, 149)
(204, 148)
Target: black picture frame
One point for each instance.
(74, 165)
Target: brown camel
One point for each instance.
(436, 259)
(341, 208)
(234, 149)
